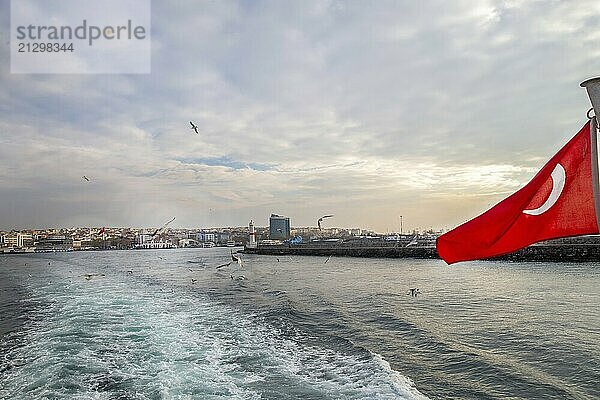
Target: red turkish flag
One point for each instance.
(558, 202)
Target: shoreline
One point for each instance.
(551, 251)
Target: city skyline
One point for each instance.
(128, 238)
(367, 111)
(97, 230)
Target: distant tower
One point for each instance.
(252, 236)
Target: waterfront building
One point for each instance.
(143, 238)
(279, 227)
(214, 236)
(24, 240)
(54, 243)
(155, 245)
(11, 240)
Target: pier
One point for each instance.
(579, 249)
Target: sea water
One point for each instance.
(170, 325)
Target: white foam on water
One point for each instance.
(106, 337)
(400, 382)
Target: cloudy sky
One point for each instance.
(364, 109)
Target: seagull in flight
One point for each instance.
(238, 259)
(162, 227)
(86, 178)
(90, 276)
(224, 265)
(321, 219)
(194, 127)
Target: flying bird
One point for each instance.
(90, 276)
(238, 259)
(162, 227)
(413, 242)
(328, 258)
(86, 178)
(235, 258)
(321, 219)
(194, 127)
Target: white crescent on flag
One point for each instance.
(558, 184)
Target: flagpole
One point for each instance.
(592, 86)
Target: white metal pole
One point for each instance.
(593, 90)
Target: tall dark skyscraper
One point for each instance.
(279, 227)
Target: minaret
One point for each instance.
(252, 236)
